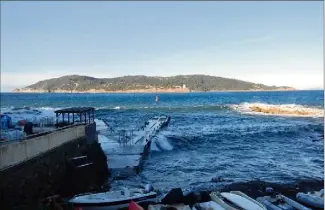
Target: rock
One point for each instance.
(173, 197)
(204, 196)
(191, 199)
(217, 179)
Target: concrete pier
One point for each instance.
(13, 153)
(125, 156)
(65, 161)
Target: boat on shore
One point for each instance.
(112, 199)
(235, 200)
(314, 199)
(280, 202)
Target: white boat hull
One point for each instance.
(235, 201)
(272, 203)
(314, 200)
(109, 207)
(111, 200)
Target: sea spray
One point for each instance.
(162, 144)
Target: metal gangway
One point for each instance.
(107, 124)
(125, 137)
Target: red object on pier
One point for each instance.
(134, 206)
(22, 122)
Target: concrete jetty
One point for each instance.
(66, 160)
(126, 150)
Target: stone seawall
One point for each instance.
(18, 151)
(53, 173)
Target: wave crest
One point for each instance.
(29, 113)
(294, 110)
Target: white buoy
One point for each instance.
(148, 188)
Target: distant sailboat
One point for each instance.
(157, 99)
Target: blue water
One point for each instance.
(207, 136)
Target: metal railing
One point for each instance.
(125, 137)
(10, 135)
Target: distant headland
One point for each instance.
(145, 84)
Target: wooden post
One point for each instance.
(69, 118)
(73, 117)
(85, 117)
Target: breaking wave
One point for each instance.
(161, 143)
(29, 113)
(293, 110)
(286, 110)
(289, 110)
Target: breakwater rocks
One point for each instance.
(52, 173)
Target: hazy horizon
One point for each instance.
(272, 43)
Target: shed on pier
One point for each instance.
(73, 115)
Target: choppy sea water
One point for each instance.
(210, 134)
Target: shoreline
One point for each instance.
(142, 92)
(253, 188)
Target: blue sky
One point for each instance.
(275, 43)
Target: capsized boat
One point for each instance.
(314, 199)
(236, 200)
(112, 199)
(280, 202)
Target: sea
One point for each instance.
(210, 135)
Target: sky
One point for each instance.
(271, 42)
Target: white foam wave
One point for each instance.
(111, 108)
(153, 147)
(294, 110)
(162, 143)
(37, 114)
(29, 113)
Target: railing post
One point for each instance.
(56, 119)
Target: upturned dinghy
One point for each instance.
(111, 199)
(280, 202)
(236, 200)
(314, 199)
